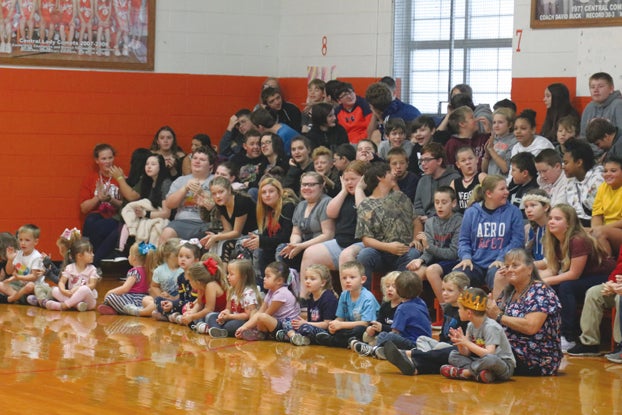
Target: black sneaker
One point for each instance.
(581, 349)
(324, 338)
(399, 358)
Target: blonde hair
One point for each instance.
(148, 260)
(321, 151)
(459, 279)
(388, 279)
(245, 269)
(168, 248)
(508, 114)
(324, 273)
(552, 245)
(487, 185)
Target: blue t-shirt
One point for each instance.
(323, 309)
(412, 319)
(363, 309)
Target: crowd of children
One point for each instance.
(396, 204)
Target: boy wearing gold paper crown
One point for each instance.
(484, 353)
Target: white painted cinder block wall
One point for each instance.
(575, 52)
(273, 37)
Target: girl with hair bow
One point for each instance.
(207, 279)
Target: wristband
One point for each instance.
(499, 316)
(148, 214)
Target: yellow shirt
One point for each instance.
(608, 203)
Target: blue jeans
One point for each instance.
(103, 234)
(570, 293)
(400, 341)
(480, 276)
(380, 261)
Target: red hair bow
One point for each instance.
(211, 265)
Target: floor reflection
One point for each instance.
(125, 364)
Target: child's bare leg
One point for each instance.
(6, 289)
(266, 323)
(25, 290)
(434, 275)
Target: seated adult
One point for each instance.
(275, 209)
(100, 201)
(237, 215)
(384, 224)
(231, 142)
(187, 194)
(299, 164)
(198, 140)
(528, 310)
(145, 216)
(165, 143)
(342, 209)
(325, 131)
(283, 112)
(490, 228)
(311, 224)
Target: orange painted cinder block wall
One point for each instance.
(50, 121)
(529, 93)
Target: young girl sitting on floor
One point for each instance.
(136, 285)
(321, 308)
(279, 305)
(76, 287)
(243, 300)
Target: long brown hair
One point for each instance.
(553, 246)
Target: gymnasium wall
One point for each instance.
(211, 58)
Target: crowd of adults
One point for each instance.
(356, 178)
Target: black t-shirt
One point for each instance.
(345, 226)
(243, 205)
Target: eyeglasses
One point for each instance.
(308, 184)
(345, 94)
(423, 161)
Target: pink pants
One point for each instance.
(83, 294)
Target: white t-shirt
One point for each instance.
(25, 264)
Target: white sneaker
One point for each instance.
(567, 345)
(82, 306)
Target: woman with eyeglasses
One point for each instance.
(273, 150)
(311, 222)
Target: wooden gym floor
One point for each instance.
(79, 363)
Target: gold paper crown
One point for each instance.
(472, 301)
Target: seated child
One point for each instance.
(412, 318)
(430, 354)
(420, 133)
(524, 177)
(567, 128)
(163, 282)
(395, 131)
(466, 162)
(321, 308)
(537, 207)
(499, 145)
(8, 248)
(136, 285)
(76, 287)
(484, 352)
(207, 279)
(323, 164)
(439, 241)
(243, 300)
(384, 318)
(406, 180)
(187, 255)
(551, 176)
(466, 128)
(280, 306)
(24, 267)
(356, 309)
